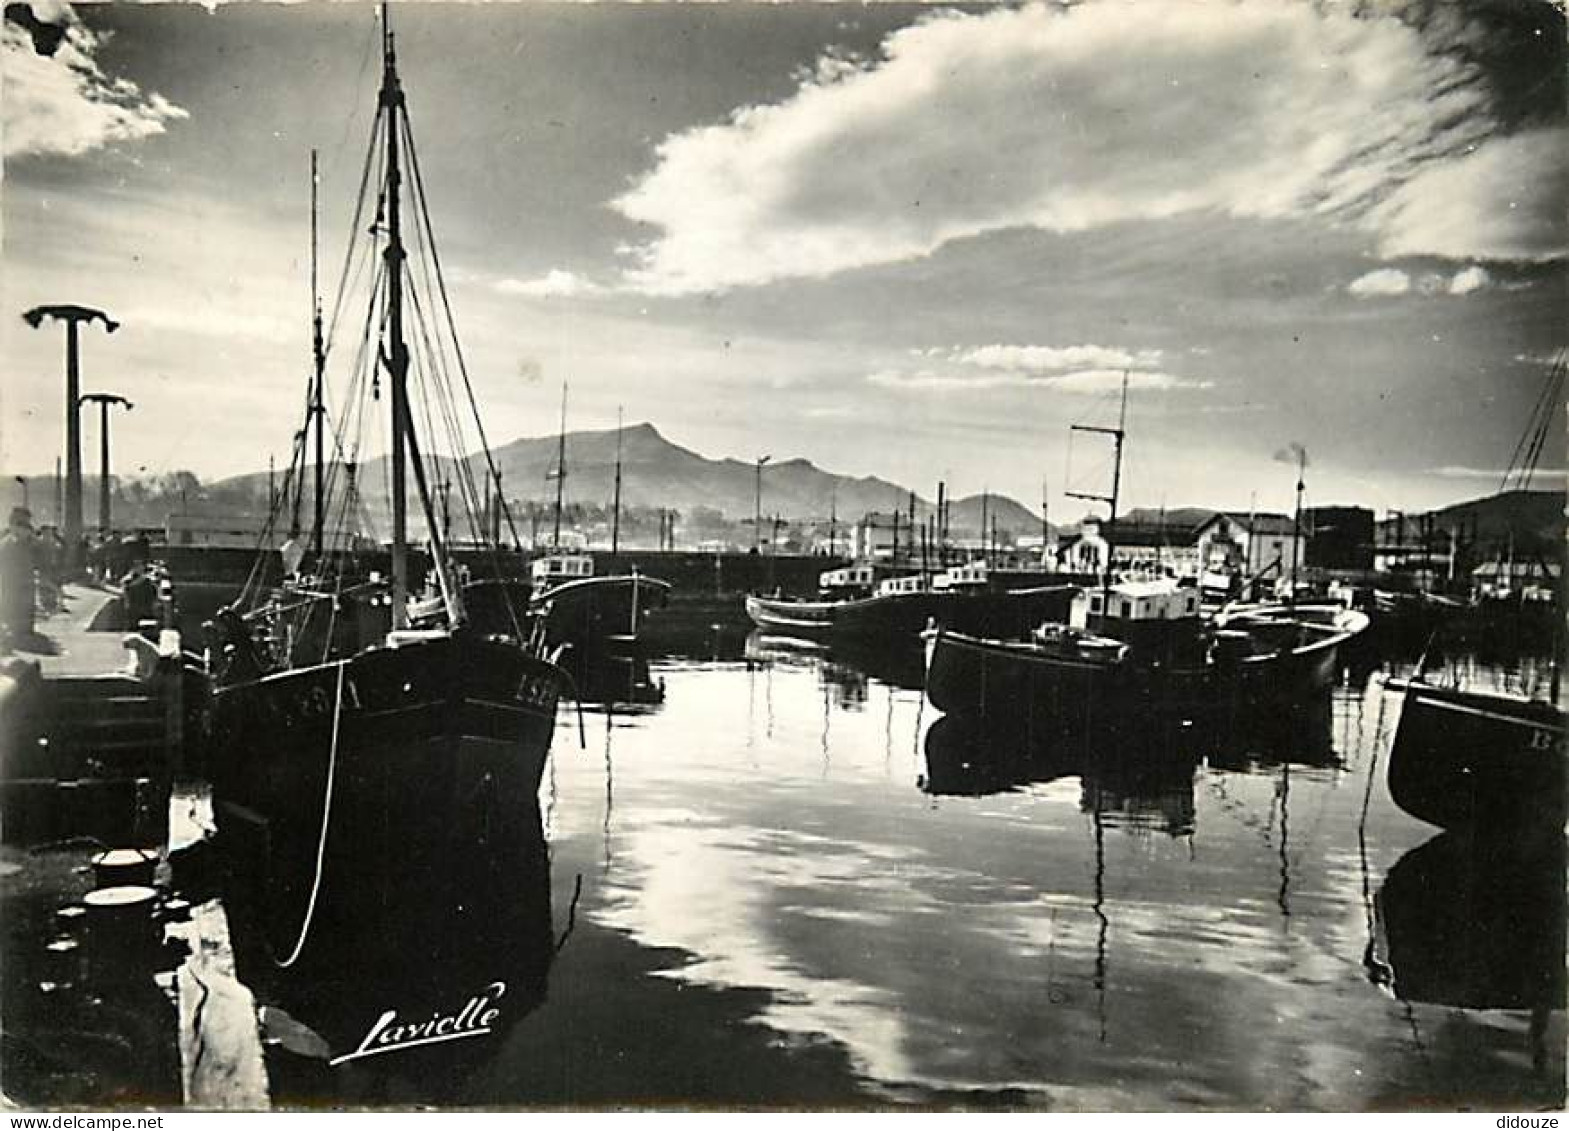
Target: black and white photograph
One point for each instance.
(813, 556)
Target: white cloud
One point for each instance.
(1386, 281)
(1110, 380)
(1496, 475)
(972, 123)
(1084, 381)
(65, 105)
(1045, 358)
(1469, 279)
(1503, 201)
(555, 283)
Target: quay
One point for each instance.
(118, 987)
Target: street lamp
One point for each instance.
(73, 316)
(104, 401)
(757, 506)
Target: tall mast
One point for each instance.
(1117, 435)
(396, 356)
(319, 360)
(1045, 522)
(615, 514)
(561, 468)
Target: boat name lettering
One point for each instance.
(535, 690)
(389, 1034)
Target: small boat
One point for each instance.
(856, 603)
(1134, 648)
(352, 786)
(587, 612)
(1482, 761)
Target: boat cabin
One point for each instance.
(971, 575)
(860, 576)
(556, 568)
(895, 586)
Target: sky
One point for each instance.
(911, 241)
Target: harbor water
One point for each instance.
(791, 883)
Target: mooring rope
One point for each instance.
(326, 818)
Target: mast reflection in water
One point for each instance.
(792, 883)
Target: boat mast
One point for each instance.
(1296, 524)
(396, 355)
(615, 514)
(1117, 435)
(561, 468)
(319, 360)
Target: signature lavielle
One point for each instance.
(387, 1034)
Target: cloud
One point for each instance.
(1385, 281)
(974, 123)
(64, 105)
(1084, 381)
(555, 283)
(1470, 279)
(1390, 282)
(1044, 358)
(1503, 201)
(1496, 475)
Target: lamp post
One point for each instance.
(104, 401)
(72, 316)
(757, 506)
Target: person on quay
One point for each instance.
(18, 591)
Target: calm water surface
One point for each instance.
(793, 883)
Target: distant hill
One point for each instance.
(1534, 520)
(655, 472)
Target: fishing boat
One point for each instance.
(368, 788)
(1487, 761)
(1136, 648)
(1484, 761)
(578, 608)
(860, 603)
(590, 612)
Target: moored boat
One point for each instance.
(856, 605)
(1136, 648)
(1480, 761)
(592, 612)
(349, 787)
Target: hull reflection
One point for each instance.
(1466, 926)
(408, 1012)
(1144, 779)
(844, 662)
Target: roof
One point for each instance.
(1259, 522)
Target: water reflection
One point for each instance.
(409, 1012)
(1462, 924)
(844, 664)
(619, 681)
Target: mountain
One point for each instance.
(656, 472)
(1533, 520)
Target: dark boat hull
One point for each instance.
(383, 792)
(593, 613)
(898, 617)
(1042, 687)
(1491, 764)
